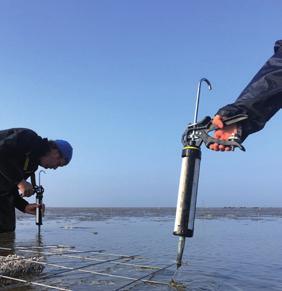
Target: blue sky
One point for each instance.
(118, 80)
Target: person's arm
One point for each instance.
(26, 207)
(31, 208)
(20, 203)
(262, 97)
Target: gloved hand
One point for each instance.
(31, 208)
(223, 132)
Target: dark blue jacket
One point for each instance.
(262, 97)
(20, 150)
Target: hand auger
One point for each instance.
(39, 190)
(194, 136)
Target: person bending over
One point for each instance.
(21, 152)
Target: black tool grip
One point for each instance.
(234, 119)
(230, 143)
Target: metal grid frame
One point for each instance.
(62, 261)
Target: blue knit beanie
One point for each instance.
(65, 149)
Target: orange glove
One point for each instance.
(223, 132)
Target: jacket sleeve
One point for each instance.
(262, 97)
(13, 149)
(20, 203)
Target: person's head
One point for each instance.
(59, 154)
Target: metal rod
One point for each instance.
(141, 278)
(96, 252)
(48, 247)
(198, 96)
(180, 250)
(79, 268)
(33, 283)
(39, 175)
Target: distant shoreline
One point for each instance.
(162, 207)
(101, 213)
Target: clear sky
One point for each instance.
(118, 80)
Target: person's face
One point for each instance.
(52, 160)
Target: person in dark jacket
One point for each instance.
(21, 152)
(260, 100)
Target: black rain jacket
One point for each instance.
(262, 97)
(20, 150)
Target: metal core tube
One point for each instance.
(38, 214)
(187, 197)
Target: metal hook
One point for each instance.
(41, 171)
(198, 96)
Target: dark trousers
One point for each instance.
(7, 210)
(7, 243)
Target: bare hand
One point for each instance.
(223, 133)
(31, 208)
(25, 188)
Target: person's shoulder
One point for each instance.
(21, 133)
(16, 130)
(22, 130)
(278, 46)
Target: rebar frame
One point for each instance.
(92, 257)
